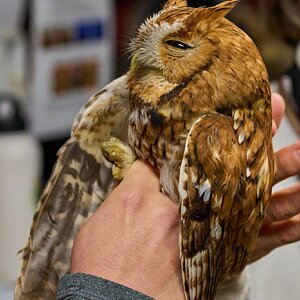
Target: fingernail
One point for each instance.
(274, 128)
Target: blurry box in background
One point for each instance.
(70, 56)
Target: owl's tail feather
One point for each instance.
(199, 279)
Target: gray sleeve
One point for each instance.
(83, 286)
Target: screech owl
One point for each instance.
(195, 104)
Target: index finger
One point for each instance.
(288, 162)
(278, 108)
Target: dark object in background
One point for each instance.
(289, 88)
(207, 3)
(11, 117)
(50, 149)
(283, 17)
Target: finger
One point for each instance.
(284, 205)
(274, 128)
(288, 162)
(282, 233)
(278, 108)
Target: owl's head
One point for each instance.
(179, 40)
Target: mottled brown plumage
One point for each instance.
(80, 181)
(195, 104)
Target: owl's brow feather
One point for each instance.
(161, 24)
(149, 37)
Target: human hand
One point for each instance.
(132, 239)
(137, 207)
(282, 222)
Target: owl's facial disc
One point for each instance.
(151, 35)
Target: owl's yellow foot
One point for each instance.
(120, 155)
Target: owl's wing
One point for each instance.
(79, 183)
(211, 178)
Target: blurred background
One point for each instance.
(55, 54)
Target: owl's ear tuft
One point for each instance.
(175, 3)
(224, 8)
(203, 17)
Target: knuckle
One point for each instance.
(274, 212)
(280, 167)
(132, 200)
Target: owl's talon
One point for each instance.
(120, 155)
(117, 173)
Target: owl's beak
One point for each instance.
(134, 62)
